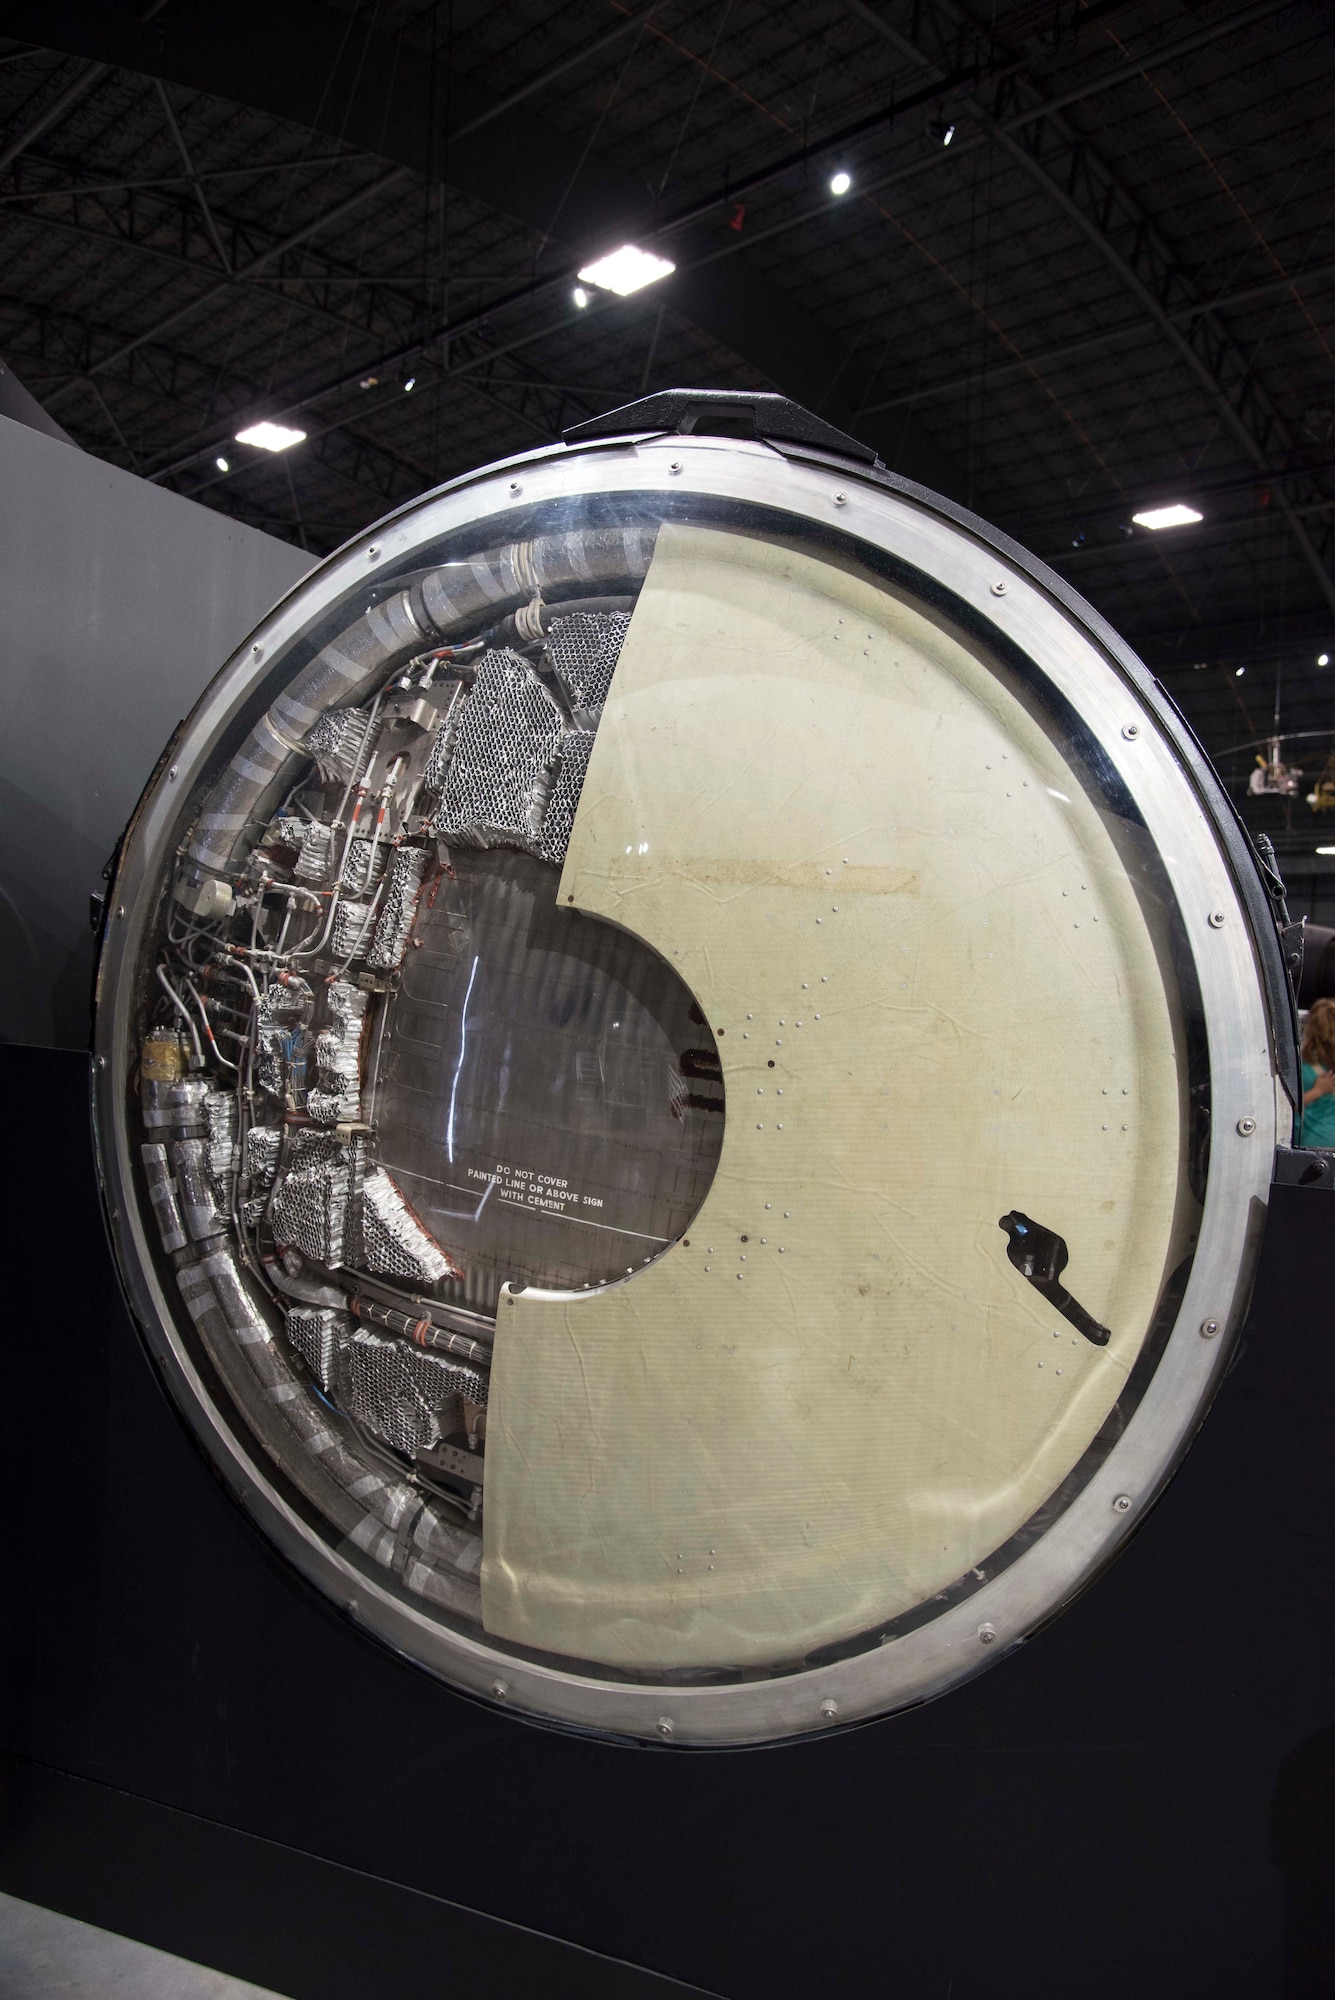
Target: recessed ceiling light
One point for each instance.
(580, 296)
(409, 384)
(1326, 850)
(270, 437)
(1176, 516)
(626, 270)
(1238, 673)
(841, 182)
(1323, 659)
(941, 129)
(222, 465)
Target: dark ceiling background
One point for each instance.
(1115, 285)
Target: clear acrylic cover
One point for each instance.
(661, 1082)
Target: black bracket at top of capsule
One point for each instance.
(742, 413)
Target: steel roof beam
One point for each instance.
(335, 213)
(979, 378)
(339, 76)
(62, 339)
(1073, 176)
(122, 236)
(54, 112)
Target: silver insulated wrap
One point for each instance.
(393, 1241)
(220, 1111)
(452, 596)
(343, 671)
(461, 593)
(337, 1096)
(322, 1336)
(398, 908)
(583, 650)
(263, 1145)
(354, 927)
(559, 823)
(162, 1194)
(505, 743)
(383, 1509)
(338, 741)
(174, 1106)
(203, 1216)
(309, 1207)
(408, 1398)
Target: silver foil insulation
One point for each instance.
(409, 1398)
(337, 1095)
(505, 743)
(393, 1241)
(407, 872)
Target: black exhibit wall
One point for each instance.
(120, 602)
(1141, 1801)
(201, 1752)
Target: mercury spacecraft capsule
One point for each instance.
(687, 1062)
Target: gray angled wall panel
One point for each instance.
(118, 603)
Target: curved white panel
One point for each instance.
(937, 1001)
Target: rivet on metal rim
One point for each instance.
(664, 1725)
(1131, 731)
(515, 486)
(373, 553)
(1216, 920)
(1209, 1328)
(258, 650)
(986, 1634)
(101, 1061)
(1122, 1504)
(675, 465)
(499, 1690)
(841, 499)
(173, 771)
(1000, 587)
(1246, 1126)
(120, 909)
(829, 1710)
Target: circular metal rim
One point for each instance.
(1070, 646)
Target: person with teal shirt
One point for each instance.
(1318, 1128)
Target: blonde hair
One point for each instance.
(1319, 1034)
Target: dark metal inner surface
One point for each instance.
(547, 1094)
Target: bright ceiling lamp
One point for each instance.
(626, 270)
(270, 437)
(1326, 850)
(841, 182)
(1176, 516)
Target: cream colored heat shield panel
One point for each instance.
(877, 873)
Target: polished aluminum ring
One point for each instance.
(1030, 612)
